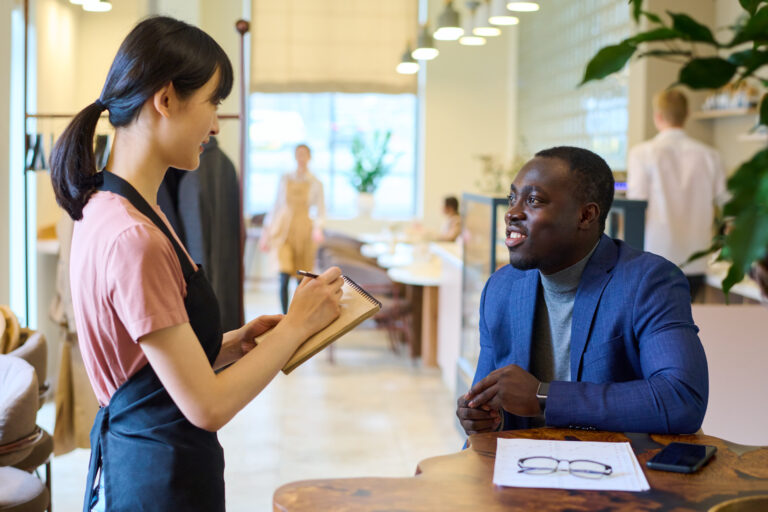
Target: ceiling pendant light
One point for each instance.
(482, 26)
(500, 16)
(523, 6)
(425, 47)
(469, 39)
(448, 26)
(97, 5)
(407, 66)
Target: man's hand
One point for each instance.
(254, 328)
(477, 421)
(510, 388)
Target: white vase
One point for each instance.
(365, 204)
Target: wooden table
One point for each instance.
(463, 481)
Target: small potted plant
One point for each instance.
(372, 162)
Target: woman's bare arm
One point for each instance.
(209, 400)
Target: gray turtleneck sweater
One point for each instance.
(551, 351)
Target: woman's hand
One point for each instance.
(264, 241)
(254, 328)
(315, 303)
(317, 236)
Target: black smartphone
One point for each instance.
(682, 457)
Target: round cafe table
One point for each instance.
(464, 482)
(423, 280)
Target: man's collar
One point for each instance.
(670, 132)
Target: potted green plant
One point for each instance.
(743, 54)
(372, 161)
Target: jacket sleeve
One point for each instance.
(485, 363)
(672, 395)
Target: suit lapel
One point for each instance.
(595, 277)
(522, 311)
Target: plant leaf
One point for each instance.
(693, 30)
(750, 59)
(707, 73)
(750, 5)
(755, 29)
(664, 53)
(607, 61)
(653, 17)
(747, 238)
(764, 110)
(637, 8)
(656, 34)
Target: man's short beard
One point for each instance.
(523, 264)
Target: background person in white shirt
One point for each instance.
(682, 180)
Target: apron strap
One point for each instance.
(115, 184)
(94, 465)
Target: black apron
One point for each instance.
(150, 456)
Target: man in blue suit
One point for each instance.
(581, 330)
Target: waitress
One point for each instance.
(147, 319)
(294, 226)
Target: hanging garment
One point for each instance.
(148, 455)
(206, 205)
(76, 405)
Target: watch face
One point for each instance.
(543, 390)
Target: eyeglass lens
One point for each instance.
(547, 465)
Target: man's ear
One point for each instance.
(589, 215)
(163, 99)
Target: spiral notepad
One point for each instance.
(357, 305)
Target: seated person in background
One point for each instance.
(581, 330)
(452, 226)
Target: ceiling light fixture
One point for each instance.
(523, 6)
(425, 47)
(407, 66)
(97, 5)
(482, 26)
(500, 16)
(468, 39)
(448, 25)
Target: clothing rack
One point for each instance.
(242, 28)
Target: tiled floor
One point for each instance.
(371, 413)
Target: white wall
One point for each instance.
(6, 9)
(466, 98)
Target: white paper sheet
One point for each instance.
(627, 474)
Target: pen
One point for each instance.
(304, 273)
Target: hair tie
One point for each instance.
(100, 104)
(95, 180)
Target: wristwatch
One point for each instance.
(541, 394)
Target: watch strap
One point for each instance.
(542, 392)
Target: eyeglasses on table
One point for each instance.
(578, 467)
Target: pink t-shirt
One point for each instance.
(126, 282)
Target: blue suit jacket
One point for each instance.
(636, 360)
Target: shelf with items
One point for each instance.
(719, 113)
(758, 136)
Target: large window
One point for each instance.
(328, 122)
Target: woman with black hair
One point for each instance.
(147, 319)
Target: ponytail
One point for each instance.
(73, 164)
